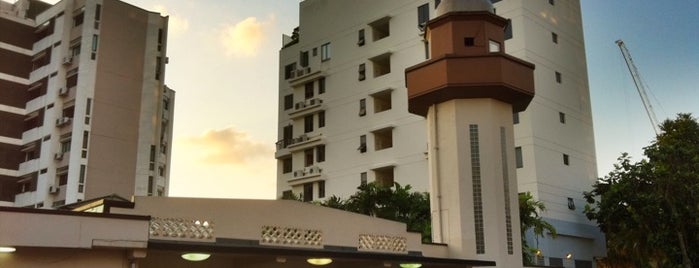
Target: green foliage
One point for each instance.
(530, 219)
(392, 203)
(649, 210)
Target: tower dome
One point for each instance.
(447, 6)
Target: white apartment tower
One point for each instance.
(84, 111)
(344, 120)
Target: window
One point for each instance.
(321, 189)
(382, 101)
(562, 117)
(360, 37)
(320, 153)
(362, 144)
(290, 71)
(308, 192)
(566, 160)
(381, 64)
(557, 262)
(508, 30)
(515, 118)
(321, 119)
(362, 178)
(559, 77)
(288, 134)
(518, 157)
(288, 195)
(325, 52)
(362, 107)
(98, 12)
(287, 165)
(158, 67)
(383, 139)
(554, 38)
(436, 3)
(469, 41)
(423, 16)
(86, 136)
(303, 59)
(288, 101)
(315, 51)
(95, 42)
(65, 145)
(75, 49)
(79, 19)
(571, 203)
(362, 72)
(308, 123)
(309, 90)
(63, 179)
(551, 2)
(380, 28)
(321, 85)
(81, 180)
(493, 46)
(160, 39)
(384, 176)
(308, 157)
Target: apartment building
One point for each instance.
(84, 111)
(344, 121)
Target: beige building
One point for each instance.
(344, 120)
(83, 106)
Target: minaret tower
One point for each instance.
(468, 91)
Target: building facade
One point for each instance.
(84, 111)
(344, 120)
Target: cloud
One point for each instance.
(177, 25)
(245, 38)
(226, 146)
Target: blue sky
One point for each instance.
(224, 67)
(662, 37)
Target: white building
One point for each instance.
(84, 109)
(343, 113)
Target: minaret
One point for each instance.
(468, 90)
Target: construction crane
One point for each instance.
(640, 87)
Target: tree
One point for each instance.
(530, 219)
(649, 210)
(395, 203)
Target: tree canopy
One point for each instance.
(649, 210)
(530, 219)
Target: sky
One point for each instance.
(224, 67)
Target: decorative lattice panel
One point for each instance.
(181, 228)
(384, 243)
(297, 237)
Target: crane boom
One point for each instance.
(640, 87)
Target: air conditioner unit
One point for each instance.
(63, 91)
(315, 101)
(299, 173)
(62, 121)
(303, 137)
(314, 170)
(300, 105)
(67, 60)
(299, 72)
(54, 189)
(308, 70)
(58, 156)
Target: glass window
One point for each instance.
(308, 123)
(518, 157)
(325, 52)
(423, 15)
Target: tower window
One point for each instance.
(362, 107)
(321, 189)
(287, 165)
(321, 119)
(508, 30)
(519, 161)
(562, 117)
(552, 2)
(360, 37)
(288, 101)
(559, 77)
(515, 118)
(469, 41)
(308, 157)
(308, 192)
(554, 38)
(493, 46)
(571, 203)
(362, 178)
(320, 153)
(321, 85)
(566, 160)
(423, 15)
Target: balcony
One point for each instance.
(303, 108)
(302, 142)
(303, 75)
(63, 121)
(305, 175)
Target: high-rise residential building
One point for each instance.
(344, 120)
(84, 111)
